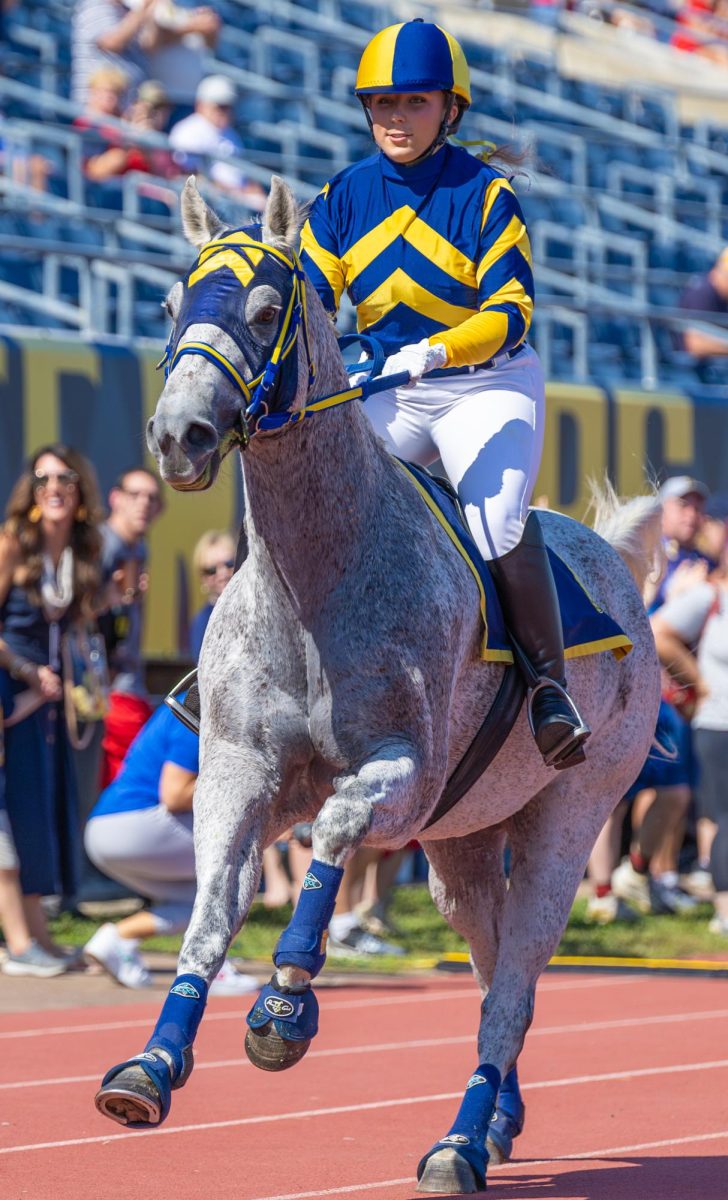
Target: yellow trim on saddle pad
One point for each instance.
(619, 644)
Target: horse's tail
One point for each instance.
(634, 528)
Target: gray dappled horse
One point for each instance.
(340, 683)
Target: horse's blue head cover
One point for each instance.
(216, 290)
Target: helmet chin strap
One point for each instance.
(446, 127)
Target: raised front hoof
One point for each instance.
(447, 1173)
(267, 1050)
(130, 1099)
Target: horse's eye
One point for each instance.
(266, 315)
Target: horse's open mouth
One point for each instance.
(202, 481)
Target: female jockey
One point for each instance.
(431, 246)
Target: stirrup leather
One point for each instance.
(574, 738)
(182, 713)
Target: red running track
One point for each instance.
(625, 1079)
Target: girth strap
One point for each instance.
(498, 723)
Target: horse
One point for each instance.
(340, 683)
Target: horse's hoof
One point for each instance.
(267, 1050)
(131, 1098)
(448, 1174)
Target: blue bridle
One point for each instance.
(243, 254)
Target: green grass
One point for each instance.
(425, 936)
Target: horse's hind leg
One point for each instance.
(228, 850)
(550, 841)
(468, 885)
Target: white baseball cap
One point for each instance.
(683, 485)
(217, 89)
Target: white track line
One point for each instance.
(525, 1165)
(464, 993)
(421, 1044)
(307, 1114)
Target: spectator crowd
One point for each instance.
(97, 781)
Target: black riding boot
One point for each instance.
(527, 593)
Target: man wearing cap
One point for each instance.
(683, 504)
(649, 877)
(707, 295)
(208, 133)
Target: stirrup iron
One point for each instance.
(560, 753)
(184, 714)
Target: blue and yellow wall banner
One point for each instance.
(98, 397)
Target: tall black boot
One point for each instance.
(527, 593)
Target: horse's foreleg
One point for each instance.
(228, 858)
(550, 841)
(284, 1018)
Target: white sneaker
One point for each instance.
(699, 883)
(119, 956)
(604, 910)
(629, 885)
(719, 925)
(231, 982)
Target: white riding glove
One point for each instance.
(358, 377)
(417, 359)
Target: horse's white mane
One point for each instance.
(633, 527)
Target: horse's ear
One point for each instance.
(281, 219)
(199, 222)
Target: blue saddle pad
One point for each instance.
(587, 627)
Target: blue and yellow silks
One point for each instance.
(588, 629)
(436, 250)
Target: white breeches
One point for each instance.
(487, 428)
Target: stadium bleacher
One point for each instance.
(624, 198)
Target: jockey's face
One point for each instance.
(405, 125)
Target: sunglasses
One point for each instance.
(228, 564)
(64, 479)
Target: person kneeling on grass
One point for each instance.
(140, 833)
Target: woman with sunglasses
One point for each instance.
(50, 577)
(213, 561)
(431, 245)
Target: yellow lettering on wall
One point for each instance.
(173, 535)
(632, 411)
(44, 362)
(587, 406)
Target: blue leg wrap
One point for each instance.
(507, 1120)
(179, 1019)
(302, 943)
(470, 1127)
(294, 1014)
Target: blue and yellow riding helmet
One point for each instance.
(416, 56)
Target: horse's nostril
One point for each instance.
(201, 437)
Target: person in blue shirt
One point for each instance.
(140, 833)
(431, 245)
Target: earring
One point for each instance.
(81, 513)
(35, 514)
